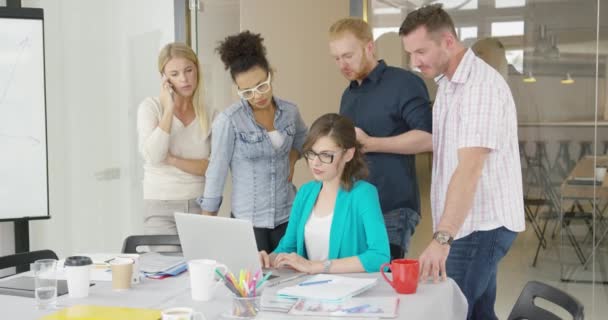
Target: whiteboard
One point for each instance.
(23, 141)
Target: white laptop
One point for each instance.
(228, 241)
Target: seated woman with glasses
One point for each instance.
(259, 139)
(336, 223)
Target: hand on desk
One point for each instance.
(432, 262)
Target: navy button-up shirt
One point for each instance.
(390, 101)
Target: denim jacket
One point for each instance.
(260, 190)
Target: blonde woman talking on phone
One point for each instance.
(174, 140)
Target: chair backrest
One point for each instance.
(525, 308)
(23, 260)
(132, 242)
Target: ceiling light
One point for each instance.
(567, 79)
(529, 78)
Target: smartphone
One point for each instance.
(163, 78)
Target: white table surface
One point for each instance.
(431, 301)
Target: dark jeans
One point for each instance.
(400, 226)
(473, 262)
(268, 239)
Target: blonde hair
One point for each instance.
(357, 27)
(182, 50)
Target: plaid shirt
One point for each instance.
(476, 109)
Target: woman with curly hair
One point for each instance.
(258, 138)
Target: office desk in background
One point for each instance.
(432, 301)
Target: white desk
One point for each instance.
(432, 301)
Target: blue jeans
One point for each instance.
(400, 226)
(473, 262)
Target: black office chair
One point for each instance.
(132, 242)
(525, 308)
(21, 261)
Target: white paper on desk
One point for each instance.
(338, 288)
(154, 262)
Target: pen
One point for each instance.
(314, 282)
(356, 309)
(263, 279)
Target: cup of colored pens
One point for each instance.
(247, 289)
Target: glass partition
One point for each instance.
(554, 55)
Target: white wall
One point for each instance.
(100, 63)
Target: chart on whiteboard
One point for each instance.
(23, 168)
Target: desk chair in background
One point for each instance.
(21, 261)
(526, 308)
(156, 242)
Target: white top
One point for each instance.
(316, 236)
(276, 138)
(476, 109)
(162, 181)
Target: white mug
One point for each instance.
(181, 314)
(202, 278)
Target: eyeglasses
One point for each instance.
(260, 88)
(324, 157)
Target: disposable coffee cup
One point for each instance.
(122, 270)
(78, 274)
(135, 279)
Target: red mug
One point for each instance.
(405, 275)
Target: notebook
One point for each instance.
(24, 287)
(327, 288)
(370, 307)
(85, 312)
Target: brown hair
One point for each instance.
(182, 50)
(342, 131)
(357, 27)
(432, 17)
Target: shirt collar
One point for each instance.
(464, 67)
(245, 105)
(373, 76)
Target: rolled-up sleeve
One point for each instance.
(301, 132)
(153, 141)
(222, 146)
(416, 110)
(378, 250)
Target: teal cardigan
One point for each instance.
(357, 228)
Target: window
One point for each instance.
(507, 28)
(466, 33)
(510, 3)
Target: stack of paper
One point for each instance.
(158, 266)
(276, 304)
(374, 307)
(327, 287)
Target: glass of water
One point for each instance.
(45, 283)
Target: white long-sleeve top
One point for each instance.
(163, 181)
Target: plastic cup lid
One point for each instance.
(76, 261)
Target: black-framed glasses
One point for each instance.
(324, 156)
(260, 88)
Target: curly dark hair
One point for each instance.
(243, 51)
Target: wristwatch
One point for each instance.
(443, 238)
(326, 266)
